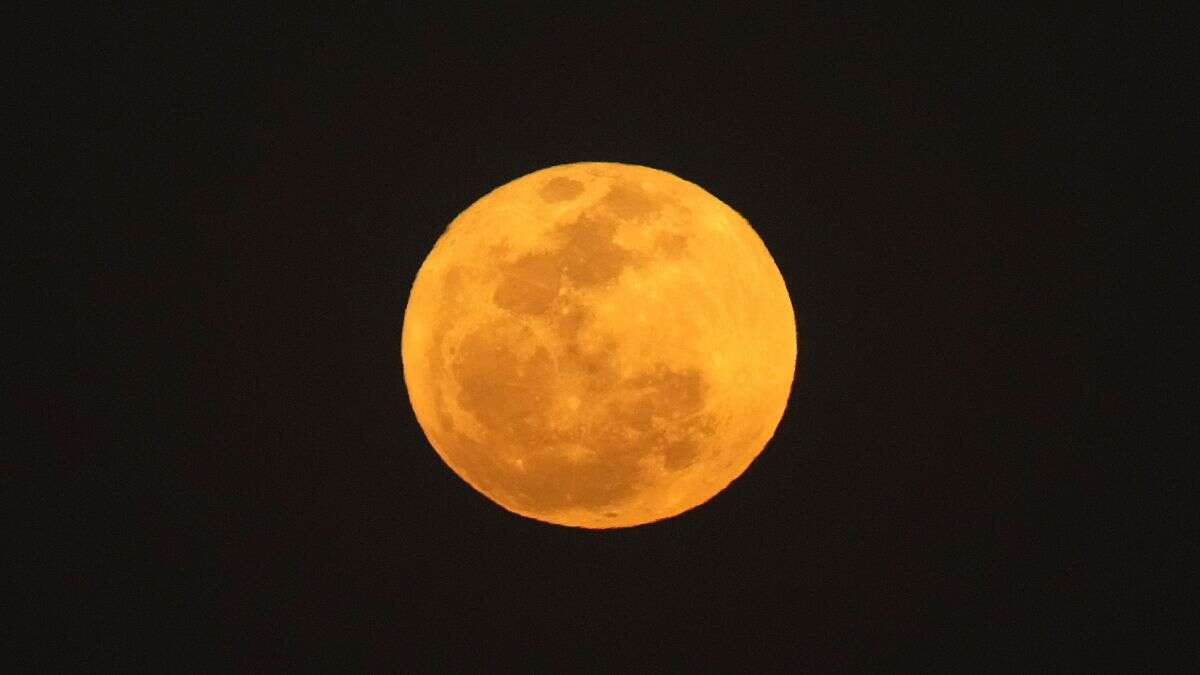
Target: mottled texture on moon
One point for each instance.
(599, 345)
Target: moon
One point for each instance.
(599, 345)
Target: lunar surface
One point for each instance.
(599, 345)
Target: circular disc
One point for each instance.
(599, 345)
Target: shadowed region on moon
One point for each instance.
(628, 201)
(561, 189)
(670, 245)
(586, 256)
(531, 284)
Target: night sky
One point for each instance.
(240, 204)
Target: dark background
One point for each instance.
(240, 203)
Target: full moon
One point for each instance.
(599, 345)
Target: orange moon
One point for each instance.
(599, 345)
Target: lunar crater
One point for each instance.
(560, 189)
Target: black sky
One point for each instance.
(241, 202)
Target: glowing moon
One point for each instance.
(599, 345)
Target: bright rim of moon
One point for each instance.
(599, 345)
